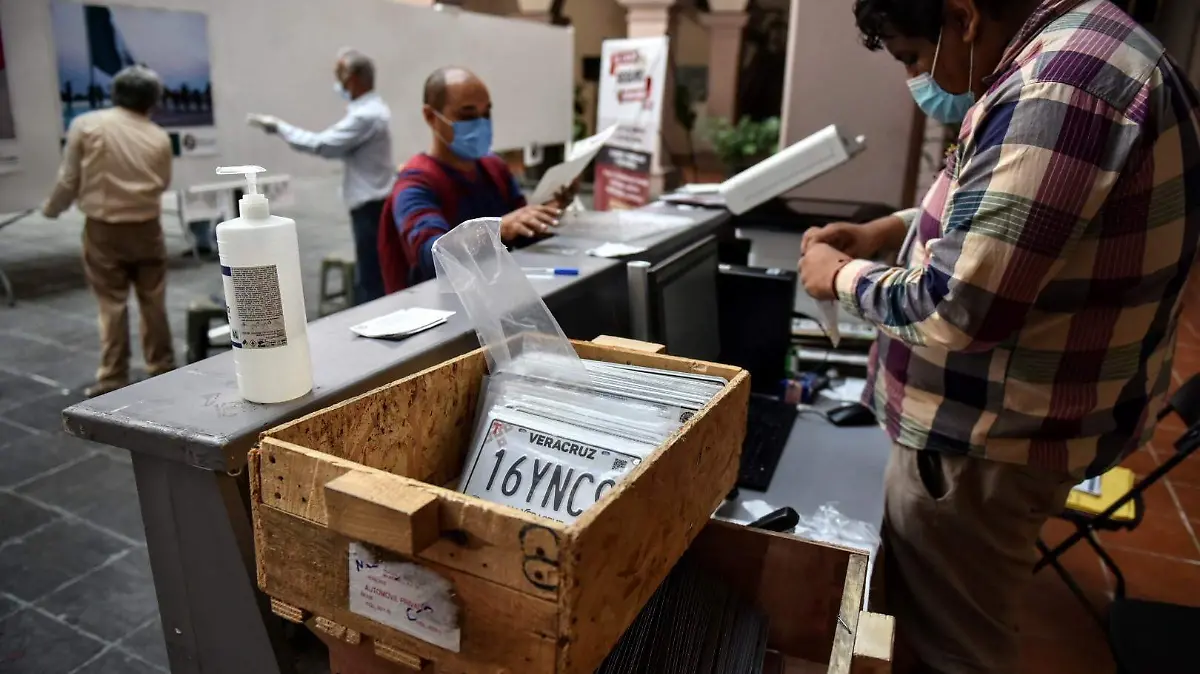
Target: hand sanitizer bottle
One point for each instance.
(260, 267)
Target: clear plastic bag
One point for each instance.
(829, 525)
(517, 331)
(548, 423)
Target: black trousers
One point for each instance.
(368, 278)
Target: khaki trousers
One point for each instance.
(958, 550)
(117, 256)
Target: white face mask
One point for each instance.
(340, 90)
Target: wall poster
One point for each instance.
(94, 42)
(632, 76)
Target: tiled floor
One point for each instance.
(1160, 559)
(76, 596)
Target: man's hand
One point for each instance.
(528, 221)
(566, 195)
(265, 122)
(863, 241)
(819, 267)
(854, 240)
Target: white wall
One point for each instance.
(276, 56)
(832, 79)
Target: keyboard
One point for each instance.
(767, 429)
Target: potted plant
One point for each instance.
(742, 145)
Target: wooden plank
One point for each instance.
(400, 657)
(418, 427)
(873, 644)
(307, 565)
(356, 658)
(629, 344)
(777, 663)
(643, 359)
(842, 656)
(798, 583)
(798, 666)
(373, 507)
(287, 611)
(496, 543)
(619, 551)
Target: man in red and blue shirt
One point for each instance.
(457, 180)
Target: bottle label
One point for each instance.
(255, 307)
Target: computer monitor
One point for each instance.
(756, 322)
(674, 303)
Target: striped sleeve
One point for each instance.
(1038, 169)
(419, 218)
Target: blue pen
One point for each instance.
(550, 271)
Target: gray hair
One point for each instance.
(359, 65)
(136, 88)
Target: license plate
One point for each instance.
(551, 473)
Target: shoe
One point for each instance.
(155, 373)
(99, 389)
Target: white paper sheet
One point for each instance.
(829, 320)
(615, 250)
(562, 175)
(401, 323)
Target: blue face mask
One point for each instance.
(935, 101)
(472, 137)
(340, 90)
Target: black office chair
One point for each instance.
(1146, 637)
(1152, 636)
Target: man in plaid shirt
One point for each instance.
(1028, 327)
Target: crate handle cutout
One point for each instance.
(377, 509)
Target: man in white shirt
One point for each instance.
(362, 141)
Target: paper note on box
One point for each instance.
(405, 597)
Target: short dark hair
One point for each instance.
(879, 20)
(359, 65)
(435, 88)
(136, 88)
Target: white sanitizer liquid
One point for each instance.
(260, 267)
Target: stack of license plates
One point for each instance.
(553, 447)
(694, 624)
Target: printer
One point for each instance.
(755, 195)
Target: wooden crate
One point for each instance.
(535, 596)
(811, 593)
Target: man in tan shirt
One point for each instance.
(116, 165)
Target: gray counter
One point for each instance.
(822, 464)
(189, 431)
(195, 416)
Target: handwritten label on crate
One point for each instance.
(405, 597)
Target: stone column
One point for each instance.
(649, 18)
(536, 10)
(656, 18)
(724, 60)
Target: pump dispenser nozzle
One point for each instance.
(253, 205)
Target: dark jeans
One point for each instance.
(368, 279)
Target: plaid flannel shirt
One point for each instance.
(1033, 318)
